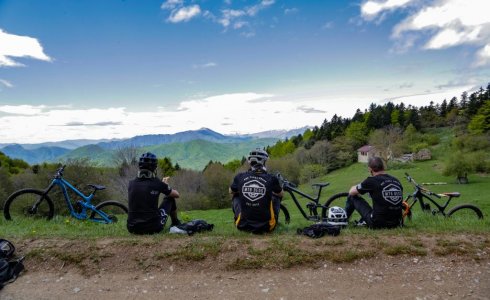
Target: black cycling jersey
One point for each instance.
(254, 191)
(387, 195)
(144, 214)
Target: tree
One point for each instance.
(480, 123)
(166, 167)
(217, 179)
(388, 142)
(357, 132)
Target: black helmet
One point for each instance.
(148, 161)
(257, 157)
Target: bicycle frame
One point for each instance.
(312, 206)
(85, 203)
(419, 195)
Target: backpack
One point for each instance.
(9, 268)
(320, 229)
(193, 226)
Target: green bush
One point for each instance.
(431, 139)
(480, 161)
(310, 171)
(396, 165)
(418, 146)
(459, 164)
(472, 142)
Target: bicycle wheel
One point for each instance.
(465, 211)
(336, 200)
(111, 208)
(21, 204)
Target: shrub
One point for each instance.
(431, 139)
(418, 146)
(311, 171)
(458, 164)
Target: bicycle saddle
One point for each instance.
(320, 184)
(453, 194)
(96, 187)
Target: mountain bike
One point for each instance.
(34, 203)
(315, 210)
(421, 193)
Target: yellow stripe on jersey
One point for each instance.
(272, 221)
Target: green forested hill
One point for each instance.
(196, 154)
(193, 155)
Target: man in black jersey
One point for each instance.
(145, 216)
(256, 196)
(387, 195)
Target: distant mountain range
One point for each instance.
(191, 149)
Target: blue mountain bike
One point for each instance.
(33, 203)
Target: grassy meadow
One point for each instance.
(477, 192)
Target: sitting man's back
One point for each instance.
(256, 196)
(145, 216)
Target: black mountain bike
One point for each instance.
(421, 193)
(315, 210)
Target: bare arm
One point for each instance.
(353, 191)
(279, 194)
(174, 193)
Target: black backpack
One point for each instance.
(9, 268)
(194, 226)
(320, 229)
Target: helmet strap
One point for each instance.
(144, 173)
(258, 168)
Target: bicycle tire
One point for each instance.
(467, 207)
(20, 201)
(287, 217)
(339, 200)
(112, 208)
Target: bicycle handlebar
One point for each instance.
(59, 172)
(284, 182)
(418, 186)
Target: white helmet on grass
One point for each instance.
(337, 216)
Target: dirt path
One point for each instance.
(391, 278)
(389, 267)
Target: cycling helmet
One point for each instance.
(257, 157)
(7, 249)
(148, 161)
(337, 216)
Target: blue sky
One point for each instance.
(113, 69)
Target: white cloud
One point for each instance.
(205, 66)
(6, 83)
(328, 25)
(19, 46)
(371, 9)
(483, 56)
(184, 14)
(290, 11)
(171, 4)
(227, 113)
(228, 18)
(447, 23)
(253, 111)
(22, 109)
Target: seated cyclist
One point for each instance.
(387, 195)
(256, 196)
(145, 215)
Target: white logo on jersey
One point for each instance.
(253, 190)
(392, 193)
